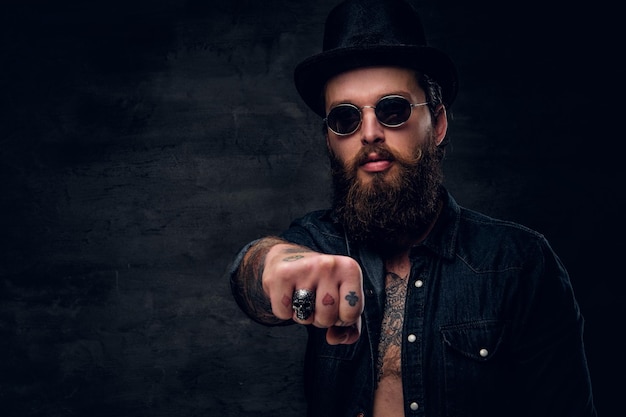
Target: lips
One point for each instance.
(375, 162)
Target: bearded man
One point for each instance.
(414, 306)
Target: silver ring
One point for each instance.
(303, 303)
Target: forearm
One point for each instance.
(247, 282)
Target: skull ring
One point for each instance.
(303, 303)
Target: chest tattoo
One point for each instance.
(390, 343)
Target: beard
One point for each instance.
(393, 208)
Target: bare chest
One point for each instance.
(388, 398)
(390, 343)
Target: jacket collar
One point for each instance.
(442, 238)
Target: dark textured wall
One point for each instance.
(142, 143)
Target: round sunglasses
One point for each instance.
(391, 111)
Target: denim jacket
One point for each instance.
(491, 326)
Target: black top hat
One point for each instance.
(362, 33)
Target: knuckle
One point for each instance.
(350, 268)
(327, 263)
(288, 272)
(354, 270)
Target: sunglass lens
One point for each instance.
(393, 111)
(344, 119)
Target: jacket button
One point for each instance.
(414, 406)
(483, 353)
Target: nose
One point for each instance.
(371, 130)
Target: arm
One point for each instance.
(272, 269)
(550, 347)
(246, 283)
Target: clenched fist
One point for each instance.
(333, 283)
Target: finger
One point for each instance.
(350, 304)
(338, 335)
(280, 299)
(351, 298)
(326, 305)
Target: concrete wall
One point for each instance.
(142, 143)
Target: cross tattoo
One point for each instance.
(352, 298)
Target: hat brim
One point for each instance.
(311, 75)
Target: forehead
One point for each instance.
(370, 83)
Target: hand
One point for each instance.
(336, 281)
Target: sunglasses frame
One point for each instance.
(360, 110)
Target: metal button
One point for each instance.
(414, 406)
(419, 283)
(412, 338)
(484, 353)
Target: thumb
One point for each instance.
(344, 335)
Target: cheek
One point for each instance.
(407, 145)
(340, 150)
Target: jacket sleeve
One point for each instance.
(548, 345)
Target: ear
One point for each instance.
(441, 124)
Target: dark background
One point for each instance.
(143, 142)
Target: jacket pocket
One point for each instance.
(478, 340)
(474, 366)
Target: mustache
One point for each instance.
(382, 152)
(363, 156)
